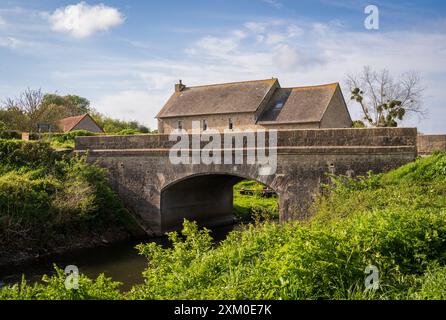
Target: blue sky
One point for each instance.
(125, 56)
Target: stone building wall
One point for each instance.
(429, 143)
(336, 116)
(219, 122)
(87, 124)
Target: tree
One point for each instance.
(69, 105)
(358, 124)
(32, 107)
(24, 112)
(385, 100)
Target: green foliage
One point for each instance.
(110, 125)
(17, 154)
(33, 106)
(53, 288)
(358, 124)
(44, 194)
(292, 261)
(10, 134)
(249, 207)
(73, 105)
(3, 127)
(395, 221)
(432, 285)
(129, 131)
(388, 112)
(66, 139)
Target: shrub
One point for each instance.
(18, 154)
(432, 285)
(43, 194)
(66, 139)
(129, 131)
(53, 288)
(10, 134)
(249, 207)
(395, 221)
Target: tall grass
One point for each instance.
(45, 196)
(394, 221)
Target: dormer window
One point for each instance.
(230, 124)
(278, 106)
(180, 125)
(205, 125)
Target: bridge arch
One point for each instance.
(139, 169)
(204, 197)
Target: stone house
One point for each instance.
(82, 122)
(253, 105)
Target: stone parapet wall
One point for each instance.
(377, 137)
(429, 143)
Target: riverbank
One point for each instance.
(388, 228)
(62, 244)
(53, 203)
(118, 260)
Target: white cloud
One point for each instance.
(276, 4)
(2, 22)
(10, 42)
(288, 57)
(216, 46)
(294, 31)
(274, 38)
(82, 20)
(130, 105)
(298, 53)
(257, 27)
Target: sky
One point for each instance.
(126, 56)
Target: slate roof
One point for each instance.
(67, 124)
(299, 105)
(223, 98)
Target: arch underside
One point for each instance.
(206, 199)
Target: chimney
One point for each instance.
(179, 86)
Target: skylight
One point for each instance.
(278, 105)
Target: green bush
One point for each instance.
(254, 207)
(394, 221)
(43, 194)
(432, 285)
(10, 134)
(293, 261)
(53, 288)
(66, 139)
(129, 131)
(22, 154)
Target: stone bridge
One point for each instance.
(161, 194)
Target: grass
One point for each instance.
(254, 207)
(45, 196)
(395, 222)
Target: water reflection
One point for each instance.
(119, 261)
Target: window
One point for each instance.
(230, 124)
(205, 125)
(278, 106)
(180, 125)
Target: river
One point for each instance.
(120, 261)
